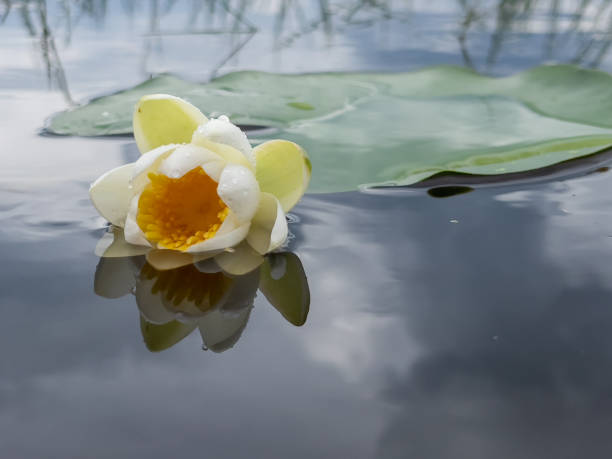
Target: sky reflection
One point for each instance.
(482, 332)
(506, 341)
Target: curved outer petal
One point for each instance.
(132, 232)
(280, 231)
(113, 245)
(188, 157)
(111, 194)
(161, 119)
(223, 239)
(283, 169)
(263, 223)
(149, 162)
(221, 130)
(239, 190)
(227, 152)
(165, 259)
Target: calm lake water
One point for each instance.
(473, 326)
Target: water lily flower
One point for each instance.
(173, 303)
(199, 188)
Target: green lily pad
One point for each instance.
(394, 129)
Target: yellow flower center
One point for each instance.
(178, 213)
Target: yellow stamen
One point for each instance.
(178, 213)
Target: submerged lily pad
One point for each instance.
(394, 129)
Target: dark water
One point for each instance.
(471, 326)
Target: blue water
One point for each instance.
(473, 326)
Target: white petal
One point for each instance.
(165, 259)
(213, 169)
(280, 230)
(221, 130)
(263, 223)
(229, 154)
(111, 194)
(188, 157)
(132, 232)
(239, 190)
(148, 159)
(149, 162)
(104, 243)
(221, 241)
(229, 224)
(113, 245)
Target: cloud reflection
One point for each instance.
(484, 337)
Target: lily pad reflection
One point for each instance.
(175, 302)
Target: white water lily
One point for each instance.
(199, 188)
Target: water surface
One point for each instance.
(473, 326)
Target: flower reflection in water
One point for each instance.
(174, 302)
